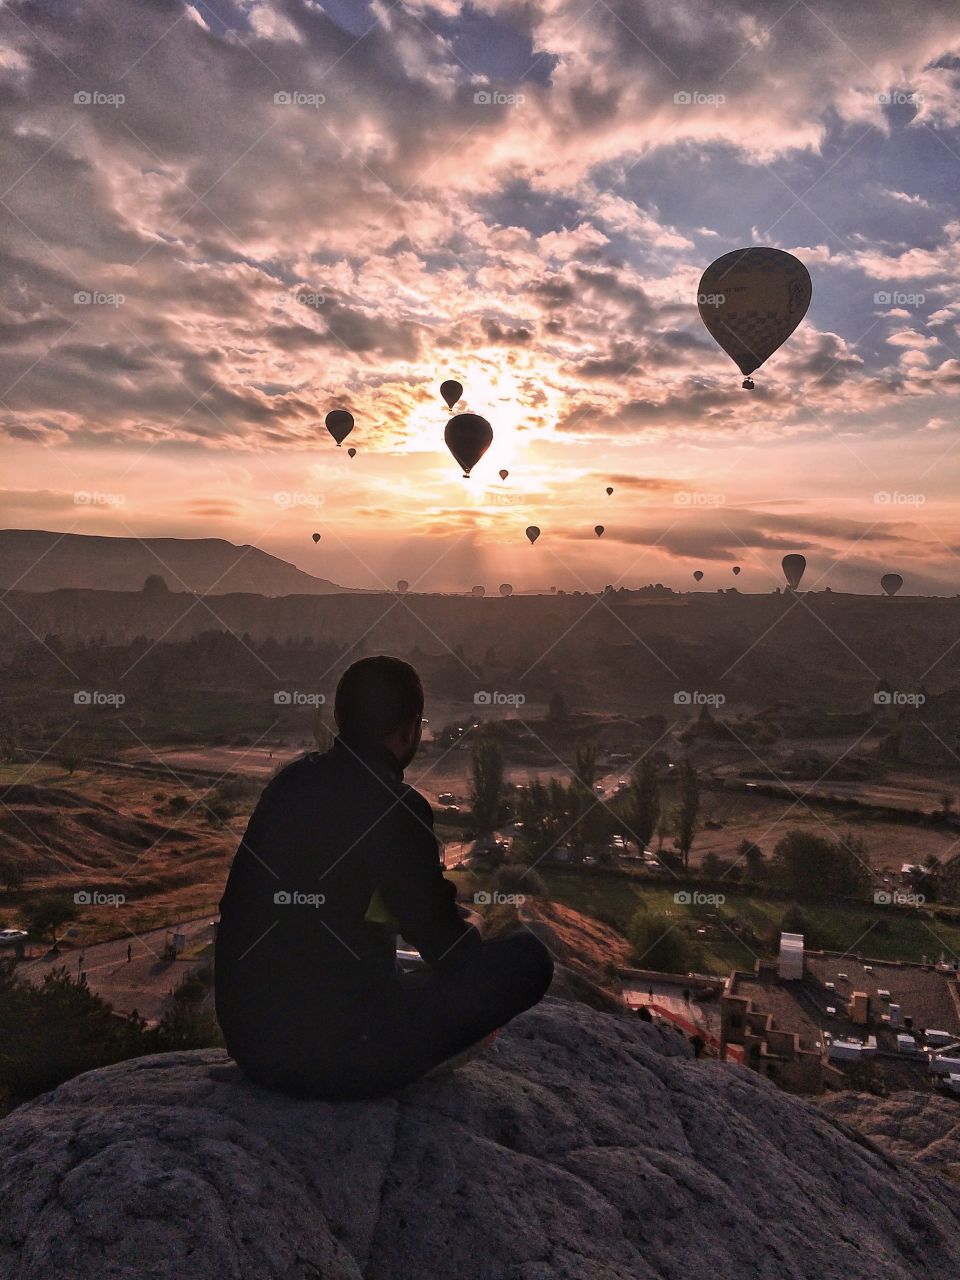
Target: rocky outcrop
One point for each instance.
(910, 1125)
(581, 1146)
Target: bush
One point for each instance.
(659, 945)
(514, 878)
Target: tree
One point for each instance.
(643, 803)
(11, 875)
(659, 944)
(810, 866)
(44, 916)
(752, 856)
(557, 707)
(585, 765)
(155, 585)
(486, 797)
(688, 791)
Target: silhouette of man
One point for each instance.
(339, 856)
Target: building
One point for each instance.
(762, 1018)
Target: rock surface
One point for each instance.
(921, 1126)
(581, 1146)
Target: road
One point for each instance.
(144, 983)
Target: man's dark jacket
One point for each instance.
(300, 981)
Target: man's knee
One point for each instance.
(537, 964)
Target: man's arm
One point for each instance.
(413, 887)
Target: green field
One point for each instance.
(875, 932)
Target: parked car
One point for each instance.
(13, 935)
(589, 860)
(623, 785)
(446, 797)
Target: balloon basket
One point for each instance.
(748, 384)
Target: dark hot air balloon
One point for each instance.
(533, 533)
(316, 537)
(698, 575)
(402, 585)
(479, 591)
(451, 390)
(352, 452)
(736, 571)
(751, 300)
(339, 423)
(891, 583)
(504, 474)
(506, 589)
(598, 530)
(793, 566)
(468, 437)
(609, 490)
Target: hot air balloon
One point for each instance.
(506, 589)
(751, 300)
(316, 537)
(339, 423)
(479, 591)
(793, 567)
(352, 452)
(451, 390)
(891, 583)
(598, 530)
(468, 437)
(402, 585)
(533, 533)
(504, 474)
(609, 490)
(736, 571)
(698, 575)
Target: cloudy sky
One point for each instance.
(284, 207)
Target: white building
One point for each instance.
(791, 957)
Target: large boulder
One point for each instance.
(582, 1146)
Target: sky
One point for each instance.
(222, 220)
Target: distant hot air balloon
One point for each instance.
(339, 423)
(402, 585)
(698, 575)
(506, 589)
(751, 300)
(316, 537)
(479, 591)
(598, 530)
(352, 452)
(468, 437)
(891, 583)
(533, 533)
(504, 474)
(736, 571)
(793, 567)
(451, 390)
(609, 490)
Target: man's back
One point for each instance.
(335, 840)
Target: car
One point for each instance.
(13, 935)
(599, 788)
(451, 809)
(589, 860)
(623, 785)
(618, 842)
(446, 797)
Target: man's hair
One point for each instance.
(375, 696)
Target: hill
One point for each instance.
(35, 560)
(581, 1145)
